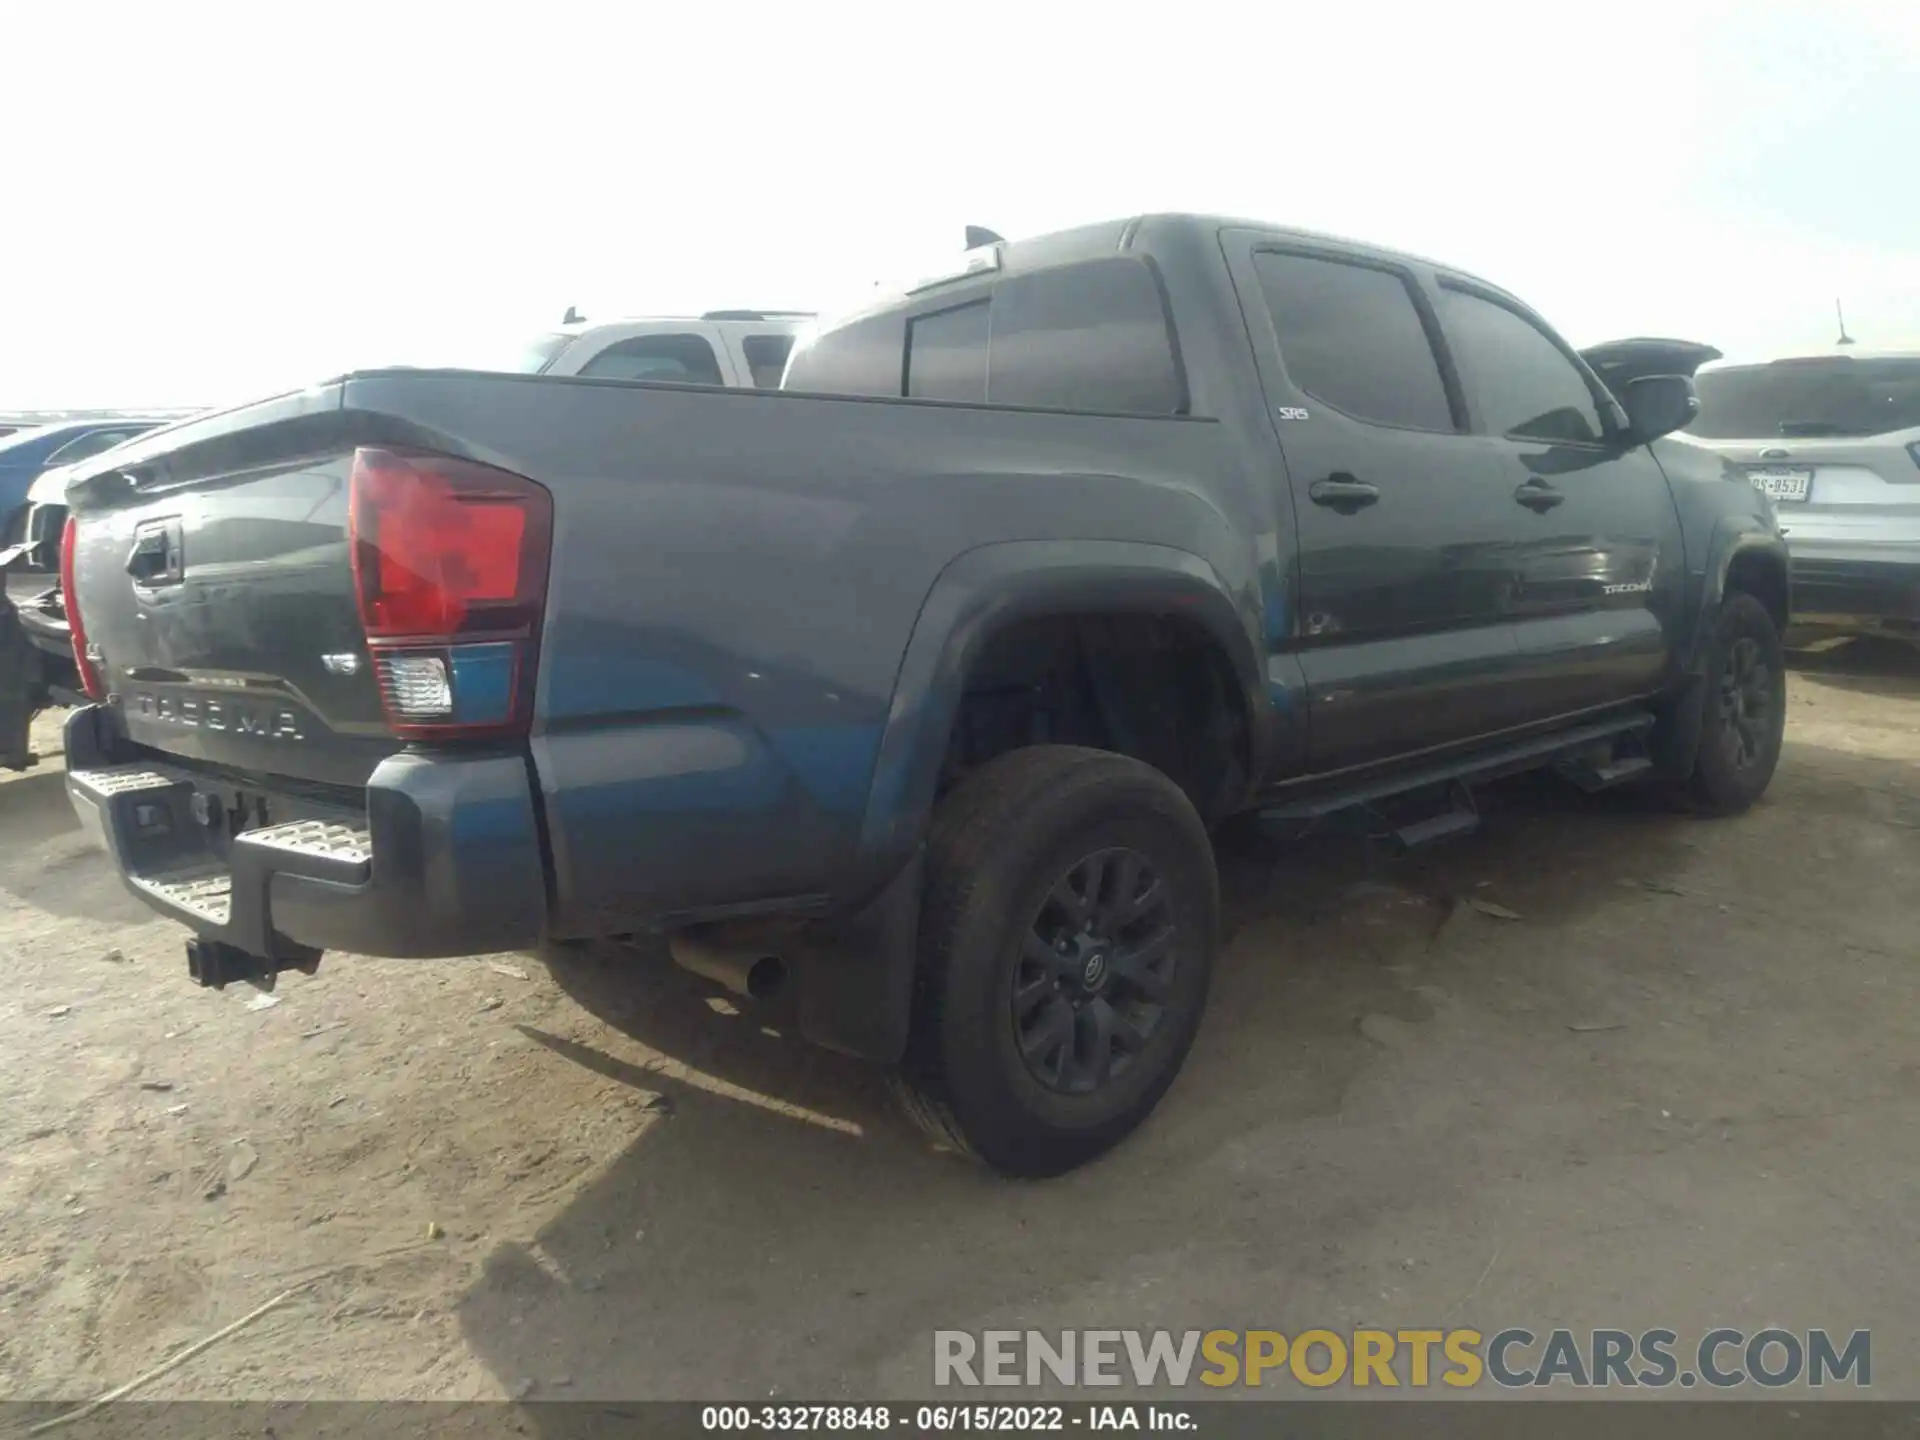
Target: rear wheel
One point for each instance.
(1746, 709)
(1067, 938)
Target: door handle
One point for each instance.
(1342, 492)
(1537, 495)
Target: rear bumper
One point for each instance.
(444, 860)
(1844, 585)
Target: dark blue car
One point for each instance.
(35, 652)
(24, 454)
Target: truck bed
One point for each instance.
(734, 578)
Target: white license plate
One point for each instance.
(1782, 482)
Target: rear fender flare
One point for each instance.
(995, 585)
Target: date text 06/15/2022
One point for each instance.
(946, 1419)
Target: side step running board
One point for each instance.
(1447, 825)
(1606, 775)
(1562, 746)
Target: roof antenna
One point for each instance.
(573, 317)
(1845, 338)
(978, 235)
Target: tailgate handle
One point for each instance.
(156, 557)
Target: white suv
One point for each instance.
(741, 349)
(1835, 440)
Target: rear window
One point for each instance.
(680, 359)
(863, 356)
(947, 354)
(1820, 395)
(1092, 336)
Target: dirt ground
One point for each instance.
(1682, 1088)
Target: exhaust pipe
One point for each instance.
(750, 971)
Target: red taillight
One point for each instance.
(450, 568)
(70, 599)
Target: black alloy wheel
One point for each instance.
(1745, 709)
(1746, 703)
(1095, 966)
(1067, 932)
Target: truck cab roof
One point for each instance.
(1105, 237)
(1088, 318)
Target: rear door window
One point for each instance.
(677, 359)
(1819, 395)
(767, 358)
(1351, 336)
(947, 354)
(1091, 337)
(1522, 382)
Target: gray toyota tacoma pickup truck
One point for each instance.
(917, 684)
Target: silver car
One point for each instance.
(1835, 440)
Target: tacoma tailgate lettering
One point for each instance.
(224, 715)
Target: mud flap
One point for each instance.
(855, 975)
(1675, 741)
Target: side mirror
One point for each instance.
(1658, 405)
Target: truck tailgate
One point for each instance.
(217, 593)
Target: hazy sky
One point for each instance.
(203, 203)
